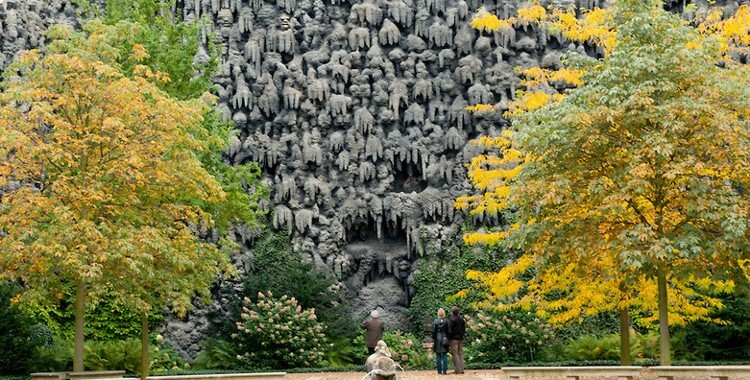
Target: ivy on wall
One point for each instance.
(443, 274)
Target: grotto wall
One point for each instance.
(23, 23)
(355, 111)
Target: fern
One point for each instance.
(217, 354)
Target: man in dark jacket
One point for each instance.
(456, 330)
(373, 331)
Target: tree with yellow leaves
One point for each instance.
(102, 186)
(634, 184)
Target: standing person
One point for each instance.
(373, 331)
(456, 331)
(440, 339)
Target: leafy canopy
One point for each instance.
(641, 167)
(102, 178)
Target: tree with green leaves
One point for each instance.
(104, 190)
(176, 48)
(637, 179)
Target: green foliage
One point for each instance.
(103, 355)
(54, 357)
(276, 333)
(172, 45)
(342, 352)
(440, 276)
(636, 178)
(644, 348)
(601, 324)
(19, 334)
(276, 267)
(108, 320)
(592, 347)
(241, 183)
(729, 341)
(218, 354)
(108, 355)
(406, 349)
(512, 335)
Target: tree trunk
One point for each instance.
(144, 346)
(79, 309)
(625, 358)
(664, 353)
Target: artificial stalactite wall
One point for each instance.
(356, 112)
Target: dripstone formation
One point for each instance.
(355, 111)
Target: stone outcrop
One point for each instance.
(355, 111)
(23, 23)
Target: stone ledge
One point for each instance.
(85, 375)
(224, 376)
(724, 372)
(49, 376)
(574, 373)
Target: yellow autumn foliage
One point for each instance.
(588, 285)
(488, 22)
(733, 33)
(109, 181)
(533, 14)
(481, 108)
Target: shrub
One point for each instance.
(505, 336)
(406, 349)
(592, 347)
(104, 355)
(278, 333)
(57, 356)
(729, 341)
(19, 335)
(342, 352)
(277, 267)
(111, 355)
(218, 354)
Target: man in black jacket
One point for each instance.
(456, 330)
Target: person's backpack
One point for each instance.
(442, 334)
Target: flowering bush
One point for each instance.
(277, 333)
(506, 336)
(405, 349)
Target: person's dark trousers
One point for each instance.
(442, 363)
(457, 353)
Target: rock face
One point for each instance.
(355, 110)
(23, 23)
